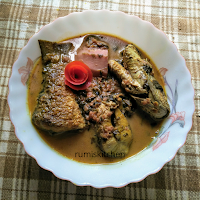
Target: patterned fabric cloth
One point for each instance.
(20, 175)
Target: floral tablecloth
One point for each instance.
(20, 175)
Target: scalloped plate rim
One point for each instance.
(93, 183)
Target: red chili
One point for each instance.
(78, 75)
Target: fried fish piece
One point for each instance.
(115, 140)
(56, 110)
(53, 52)
(128, 83)
(137, 77)
(155, 104)
(135, 65)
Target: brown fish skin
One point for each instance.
(54, 52)
(137, 78)
(93, 41)
(135, 64)
(56, 110)
(128, 83)
(115, 140)
(155, 104)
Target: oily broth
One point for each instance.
(81, 146)
(34, 85)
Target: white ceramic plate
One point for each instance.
(178, 86)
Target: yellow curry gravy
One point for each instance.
(82, 146)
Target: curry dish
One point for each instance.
(114, 113)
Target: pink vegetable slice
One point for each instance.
(95, 59)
